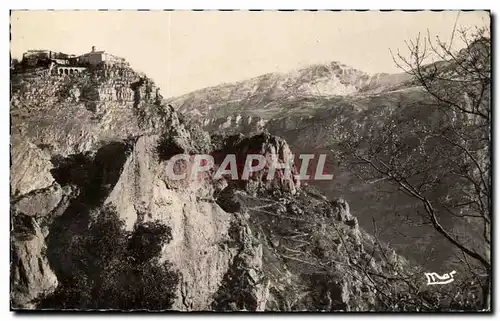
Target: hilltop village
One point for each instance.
(91, 78)
(65, 64)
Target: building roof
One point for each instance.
(92, 53)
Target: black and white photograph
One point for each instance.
(251, 161)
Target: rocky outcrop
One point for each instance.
(31, 165)
(52, 130)
(144, 193)
(130, 175)
(206, 247)
(274, 149)
(95, 85)
(244, 286)
(96, 217)
(31, 274)
(234, 124)
(313, 258)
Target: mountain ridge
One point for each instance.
(319, 81)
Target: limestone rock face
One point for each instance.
(143, 193)
(31, 274)
(41, 202)
(245, 286)
(274, 149)
(30, 168)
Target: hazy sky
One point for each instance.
(186, 50)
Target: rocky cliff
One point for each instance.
(98, 224)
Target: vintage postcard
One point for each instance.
(271, 161)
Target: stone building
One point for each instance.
(47, 57)
(36, 54)
(97, 57)
(36, 57)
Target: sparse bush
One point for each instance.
(147, 240)
(199, 137)
(168, 147)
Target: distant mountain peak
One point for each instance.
(274, 90)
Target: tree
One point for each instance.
(117, 269)
(438, 152)
(14, 62)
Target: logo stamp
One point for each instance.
(434, 278)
